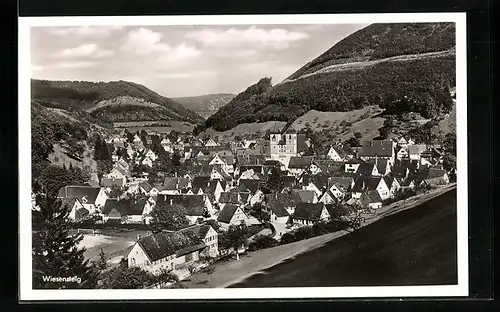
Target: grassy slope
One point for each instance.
(413, 247)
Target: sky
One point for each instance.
(178, 61)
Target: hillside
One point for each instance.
(205, 105)
(398, 67)
(111, 101)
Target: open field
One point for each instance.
(247, 128)
(413, 247)
(231, 272)
(160, 126)
(115, 244)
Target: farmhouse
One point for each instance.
(231, 215)
(384, 149)
(309, 213)
(92, 198)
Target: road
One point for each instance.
(413, 247)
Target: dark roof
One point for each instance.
(69, 202)
(289, 181)
(80, 213)
(364, 182)
(303, 196)
(255, 168)
(365, 169)
(228, 159)
(111, 182)
(277, 203)
(229, 198)
(125, 206)
(90, 193)
(382, 148)
(250, 160)
(186, 201)
(301, 143)
(302, 162)
(200, 182)
(342, 183)
(320, 180)
(227, 213)
(428, 173)
(163, 244)
(308, 211)
(175, 183)
(251, 185)
(389, 180)
(381, 164)
(146, 186)
(340, 150)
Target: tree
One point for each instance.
(53, 178)
(176, 159)
(166, 217)
(126, 278)
(274, 181)
(130, 137)
(165, 277)
(258, 212)
(234, 237)
(102, 262)
(450, 143)
(55, 251)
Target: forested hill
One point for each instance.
(111, 101)
(382, 64)
(205, 105)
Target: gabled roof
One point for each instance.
(69, 202)
(301, 143)
(250, 185)
(389, 180)
(90, 193)
(227, 213)
(429, 173)
(146, 186)
(175, 183)
(380, 163)
(382, 148)
(321, 181)
(163, 244)
(308, 211)
(250, 160)
(289, 181)
(301, 162)
(81, 212)
(303, 196)
(365, 169)
(199, 230)
(339, 150)
(342, 183)
(200, 182)
(111, 182)
(416, 149)
(126, 207)
(228, 159)
(186, 201)
(229, 198)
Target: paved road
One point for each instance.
(413, 247)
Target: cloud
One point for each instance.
(37, 68)
(180, 53)
(84, 31)
(84, 50)
(277, 38)
(81, 64)
(189, 74)
(144, 41)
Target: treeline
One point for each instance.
(133, 113)
(379, 41)
(85, 92)
(424, 81)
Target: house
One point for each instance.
(402, 153)
(166, 250)
(431, 176)
(232, 198)
(415, 151)
(151, 155)
(253, 187)
(352, 165)
(196, 206)
(304, 196)
(383, 149)
(131, 210)
(383, 167)
(211, 143)
(279, 206)
(309, 213)
(231, 215)
(219, 174)
(340, 186)
(172, 185)
(297, 165)
(91, 198)
(371, 199)
(76, 210)
(327, 198)
(119, 172)
(208, 235)
(112, 182)
(146, 188)
(370, 183)
(367, 169)
(337, 153)
(393, 185)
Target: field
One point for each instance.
(413, 247)
(115, 244)
(247, 128)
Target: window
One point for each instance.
(132, 261)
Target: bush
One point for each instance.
(262, 242)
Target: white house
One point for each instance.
(231, 215)
(336, 153)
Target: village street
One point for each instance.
(232, 271)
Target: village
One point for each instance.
(250, 182)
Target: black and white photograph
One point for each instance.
(199, 157)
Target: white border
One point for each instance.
(25, 287)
